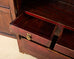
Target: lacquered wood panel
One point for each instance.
(40, 31)
(64, 50)
(12, 9)
(67, 39)
(4, 3)
(5, 20)
(57, 13)
(65, 43)
(39, 51)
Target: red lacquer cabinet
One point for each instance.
(44, 27)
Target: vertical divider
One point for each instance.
(56, 35)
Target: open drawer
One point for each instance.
(65, 43)
(38, 51)
(33, 29)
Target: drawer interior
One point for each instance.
(54, 12)
(34, 25)
(67, 39)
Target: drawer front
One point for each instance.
(65, 44)
(4, 3)
(36, 38)
(39, 51)
(39, 31)
(67, 39)
(64, 50)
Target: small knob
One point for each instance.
(28, 36)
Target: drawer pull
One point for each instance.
(28, 36)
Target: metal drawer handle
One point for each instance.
(29, 36)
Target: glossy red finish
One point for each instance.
(39, 30)
(39, 51)
(67, 39)
(49, 20)
(43, 19)
(57, 13)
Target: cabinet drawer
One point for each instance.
(38, 51)
(39, 30)
(67, 39)
(4, 3)
(65, 43)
